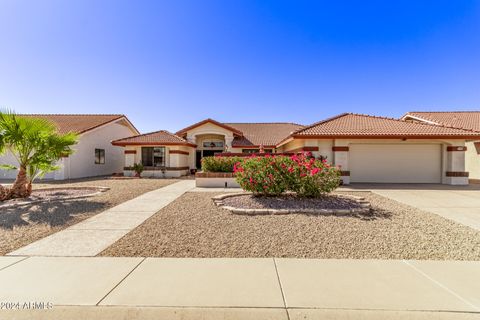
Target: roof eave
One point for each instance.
(124, 144)
(389, 136)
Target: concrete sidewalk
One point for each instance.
(168, 288)
(92, 236)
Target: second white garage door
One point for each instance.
(395, 163)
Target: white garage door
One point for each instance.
(393, 163)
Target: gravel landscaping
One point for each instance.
(193, 226)
(20, 226)
(290, 202)
(53, 194)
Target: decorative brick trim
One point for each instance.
(179, 152)
(214, 175)
(65, 155)
(304, 149)
(177, 168)
(159, 168)
(345, 173)
(130, 152)
(456, 174)
(340, 149)
(456, 148)
(474, 181)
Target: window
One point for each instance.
(99, 156)
(153, 156)
(213, 144)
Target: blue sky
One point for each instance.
(167, 64)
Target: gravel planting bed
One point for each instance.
(22, 225)
(53, 194)
(248, 201)
(193, 226)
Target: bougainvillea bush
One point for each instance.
(273, 175)
(219, 164)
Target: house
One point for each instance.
(94, 154)
(468, 120)
(367, 148)
(166, 154)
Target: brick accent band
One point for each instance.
(179, 152)
(456, 148)
(303, 149)
(456, 174)
(214, 175)
(130, 151)
(345, 173)
(340, 148)
(159, 168)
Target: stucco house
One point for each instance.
(368, 148)
(468, 120)
(94, 154)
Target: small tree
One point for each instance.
(36, 145)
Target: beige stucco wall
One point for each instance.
(450, 161)
(472, 160)
(82, 163)
(172, 160)
(210, 129)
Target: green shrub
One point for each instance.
(273, 175)
(219, 164)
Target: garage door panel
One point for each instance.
(390, 163)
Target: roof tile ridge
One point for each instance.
(415, 123)
(438, 122)
(321, 122)
(149, 133)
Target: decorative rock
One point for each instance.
(364, 207)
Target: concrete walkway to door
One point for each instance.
(458, 203)
(90, 237)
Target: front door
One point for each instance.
(204, 153)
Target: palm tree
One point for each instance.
(35, 144)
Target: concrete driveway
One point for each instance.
(458, 203)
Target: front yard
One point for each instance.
(20, 226)
(193, 226)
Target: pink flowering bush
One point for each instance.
(261, 175)
(273, 175)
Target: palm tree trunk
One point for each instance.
(20, 186)
(3, 193)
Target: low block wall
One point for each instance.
(215, 180)
(157, 173)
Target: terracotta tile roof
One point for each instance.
(161, 137)
(78, 123)
(469, 120)
(359, 125)
(266, 134)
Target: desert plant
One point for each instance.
(219, 163)
(36, 146)
(261, 175)
(273, 175)
(138, 168)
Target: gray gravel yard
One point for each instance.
(192, 226)
(20, 226)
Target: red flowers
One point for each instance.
(274, 175)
